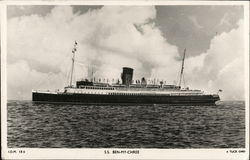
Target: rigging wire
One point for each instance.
(68, 77)
(184, 83)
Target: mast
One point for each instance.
(73, 61)
(182, 67)
(92, 75)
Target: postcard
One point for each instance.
(125, 79)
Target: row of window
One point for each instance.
(100, 88)
(128, 94)
(134, 94)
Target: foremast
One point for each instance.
(73, 63)
(182, 68)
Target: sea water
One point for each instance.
(34, 125)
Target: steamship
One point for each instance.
(124, 92)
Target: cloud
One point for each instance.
(22, 79)
(222, 65)
(226, 19)
(195, 22)
(109, 38)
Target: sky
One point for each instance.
(150, 39)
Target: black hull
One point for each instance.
(123, 99)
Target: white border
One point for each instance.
(99, 153)
(121, 2)
(3, 79)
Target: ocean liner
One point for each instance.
(127, 91)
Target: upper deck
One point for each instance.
(84, 87)
(123, 91)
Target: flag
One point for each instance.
(74, 50)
